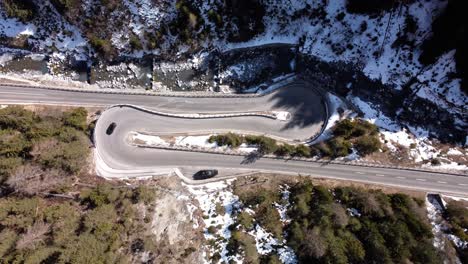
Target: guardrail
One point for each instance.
(233, 153)
(193, 116)
(153, 93)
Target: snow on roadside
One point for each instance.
(454, 152)
(4, 58)
(334, 103)
(416, 139)
(282, 115)
(279, 82)
(208, 196)
(448, 166)
(456, 198)
(148, 139)
(197, 142)
(434, 211)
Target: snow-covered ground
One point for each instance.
(212, 195)
(434, 211)
(199, 142)
(338, 36)
(417, 140)
(208, 196)
(334, 105)
(440, 227)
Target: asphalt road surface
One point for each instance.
(303, 103)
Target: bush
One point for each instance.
(285, 150)
(302, 151)
(435, 162)
(102, 46)
(349, 129)
(17, 118)
(340, 147)
(65, 156)
(13, 144)
(348, 133)
(265, 145)
(64, 6)
(76, 118)
(229, 139)
(245, 220)
(457, 215)
(366, 145)
(135, 43)
(24, 10)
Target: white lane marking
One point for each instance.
(442, 182)
(21, 93)
(421, 179)
(358, 172)
(400, 177)
(463, 184)
(380, 175)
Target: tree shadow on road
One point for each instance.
(305, 104)
(252, 157)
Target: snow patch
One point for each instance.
(208, 196)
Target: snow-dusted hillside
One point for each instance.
(383, 46)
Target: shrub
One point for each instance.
(265, 145)
(435, 162)
(76, 118)
(67, 157)
(229, 139)
(102, 46)
(24, 10)
(245, 220)
(354, 128)
(135, 43)
(285, 150)
(366, 145)
(339, 147)
(13, 144)
(302, 151)
(64, 6)
(17, 118)
(457, 215)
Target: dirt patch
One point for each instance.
(178, 237)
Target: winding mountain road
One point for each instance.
(305, 105)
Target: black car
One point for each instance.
(205, 174)
(111, 128)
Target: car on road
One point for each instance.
(111, 128)
(205, 174)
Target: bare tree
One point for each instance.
(31, 179)
(43, 146)
(314, 243)
(34, 235)
(340, 217)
